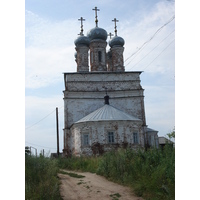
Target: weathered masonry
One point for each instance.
(103, 104)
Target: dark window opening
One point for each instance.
(99, 56)
(110, 137)
(135, 138)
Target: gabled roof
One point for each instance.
(108, 113)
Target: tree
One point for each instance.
(171, 135)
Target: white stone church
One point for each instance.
(103, 103)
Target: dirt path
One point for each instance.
(92, 187)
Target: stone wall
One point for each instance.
(98, 138)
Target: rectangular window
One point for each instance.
(135, 138)
(85, 139)
(110, 137)
(99, 55)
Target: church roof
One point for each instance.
(150, 130)
(108, 113)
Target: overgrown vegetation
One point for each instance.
(87, 164)
(71, 174)
(41, 180)
(151, 173)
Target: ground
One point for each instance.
(92, 186)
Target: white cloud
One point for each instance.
(45, 66)
(49, 50)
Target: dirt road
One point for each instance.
(92, 187)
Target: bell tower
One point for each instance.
(116, 62)
(82, 48)
(97, 46)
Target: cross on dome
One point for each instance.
(110, 34)
(115, 20)
(96, 21)
(81, 19)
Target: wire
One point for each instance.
(159, 54)
(40, 145)
(149, 52)
(40, 120)
(170, 20)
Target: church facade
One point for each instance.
(103, 104)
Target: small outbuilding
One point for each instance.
(163, 141)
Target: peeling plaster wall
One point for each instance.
(84, 93)
(98, 133)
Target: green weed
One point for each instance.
(41, 180)
(71, 174)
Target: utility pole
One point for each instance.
(57, 128)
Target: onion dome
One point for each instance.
(97, 33)
(82, 40)
(116, 41)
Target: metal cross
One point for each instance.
(81, 19)
(110, 34)
(115, 20)
(96, 20)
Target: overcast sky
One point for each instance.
(51, 26)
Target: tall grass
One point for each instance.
(41, 180)
(89, 164)
(150, 173)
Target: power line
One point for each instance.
(159, 54)
(150, 51)
(39, 145)
(171, 19)
(40, 120)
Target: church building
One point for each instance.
(103, 103)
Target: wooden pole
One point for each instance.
(57, 128)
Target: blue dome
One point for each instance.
(82, 40)
(97, 33)
(116, 41)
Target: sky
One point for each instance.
(148, 28)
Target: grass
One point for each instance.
(115, 196)
(41, 181)
(71, 174)
(89, 164)
(151, 174)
